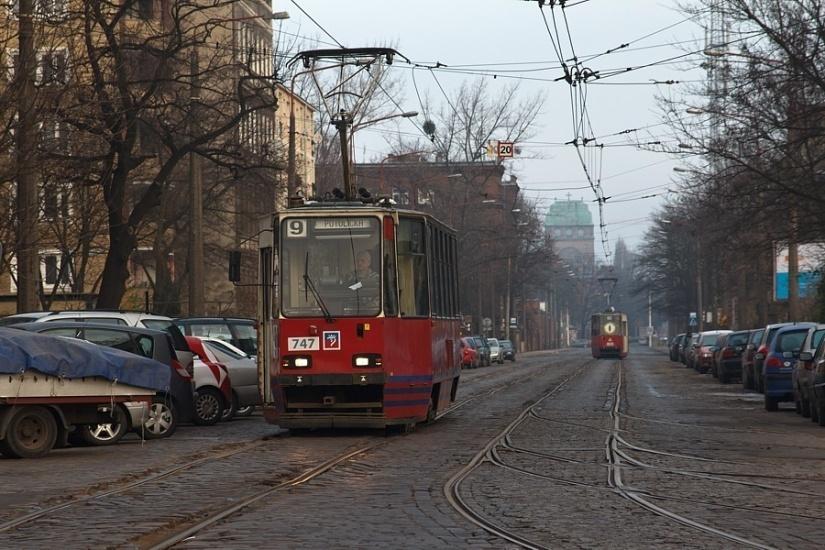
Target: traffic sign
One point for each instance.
(693, 321)
(505, 149)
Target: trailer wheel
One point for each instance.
(106, 434)
(31, 433)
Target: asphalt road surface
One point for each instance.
(557, 450)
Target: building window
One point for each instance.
(401, 196)
(56, 201)
(52, 67)
(424, 197)
(55, 270)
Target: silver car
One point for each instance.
(243, 373)
(495, 351)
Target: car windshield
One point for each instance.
(817, 338)
(492, 341)
(771, 333)
(709, 339)
(738, 339)
(246, 338)
(506, 344)
(790, 341)
(757, 336)
(220, 347)
(330, 267)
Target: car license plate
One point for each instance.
(303, 343)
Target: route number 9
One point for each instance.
(296, 228)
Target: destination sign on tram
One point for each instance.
(331, 224)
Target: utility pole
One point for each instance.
(507, 303)
(28, 204)
(291, 168)
(196, 268)
(342, 124)
(699, 311)
(649, 319)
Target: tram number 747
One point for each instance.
(309, 343)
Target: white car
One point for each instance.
(495, 351)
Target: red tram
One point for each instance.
(364, 328)
(608, 335)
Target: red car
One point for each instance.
(212, 386)
(469, 356)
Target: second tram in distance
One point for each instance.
(608, 335)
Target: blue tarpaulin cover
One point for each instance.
(69, 358)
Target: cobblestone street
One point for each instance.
(556, 450)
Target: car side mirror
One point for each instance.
(759, 356)
(806, 356)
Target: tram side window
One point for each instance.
(454, 275)
(390, 276)
(412, 269)
(435, 271)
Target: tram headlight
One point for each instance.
(367, 360)
(296, 362)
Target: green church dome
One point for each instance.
(566, 213)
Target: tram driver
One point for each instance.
(364, 279)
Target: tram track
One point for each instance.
(300, 479)
(614, 477)
(239, 503)
(189, 464)
(74, 501)
(617, 460)
(452, 488)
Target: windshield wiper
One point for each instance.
(310, 286)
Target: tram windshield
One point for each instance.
(330, 267)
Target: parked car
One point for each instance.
(483, 350)
(704, 348)
(684, 344)
(761, 353)
(238, 331)
(213, 388)
(168, 408)
(469, 356)
(495, 351)
(777, 367)
(803, 371)
(818, 385)
(748, 354)
(691, 349)
(508, 351)
(728, 357)
(674, 346)
(243, 373)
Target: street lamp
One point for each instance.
(408, 114)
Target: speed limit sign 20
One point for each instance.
(505, 149)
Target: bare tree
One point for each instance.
(133, 115)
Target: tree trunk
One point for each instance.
(116, 270)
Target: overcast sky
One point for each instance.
(512, 32)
